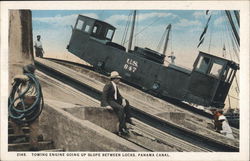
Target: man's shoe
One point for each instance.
(123, 132)
(130, 122)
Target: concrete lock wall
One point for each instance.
(104, 118)
(177, 117)
(20, 41)
(74, 134)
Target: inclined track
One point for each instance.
(189, 136)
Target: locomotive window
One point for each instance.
(216, 69)
(202, 65)
(223, 77)
(109, 34)
(87, 28)
(96, 29)
(230, 72)
(79, 24)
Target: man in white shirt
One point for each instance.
(38, 47)
(112, 99)
(226, 129)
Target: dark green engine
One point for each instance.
(207, 84)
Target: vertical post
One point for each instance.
(224, 51)
(233, 26)
(229, 107)
(167, 38)
(20, 41)
(132, 31)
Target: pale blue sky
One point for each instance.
(187, 26)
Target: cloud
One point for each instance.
(218, 21)
(59, 20)
(92, 15)
(145, 16)
(199, 14)
(117, 19)
(186, 23)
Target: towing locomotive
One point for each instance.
(207, 84)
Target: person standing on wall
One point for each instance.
(38, 47)
(112, 99)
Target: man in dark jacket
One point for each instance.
(112, 99)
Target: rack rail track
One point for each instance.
(181, 133)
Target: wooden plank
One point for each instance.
(165, 138)
(56, 90)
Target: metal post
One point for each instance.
(132, 32)
(167, 38)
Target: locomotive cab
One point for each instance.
(211, 79)
(86, 29)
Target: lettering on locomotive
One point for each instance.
(131, 65)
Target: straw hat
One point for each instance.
(115, 75)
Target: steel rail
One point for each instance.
(184, 134)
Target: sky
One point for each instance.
(54, 26)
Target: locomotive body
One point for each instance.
(207, 84)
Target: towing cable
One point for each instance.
(25, 114)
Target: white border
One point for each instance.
(243, 6)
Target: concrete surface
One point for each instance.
(58, 91)
(20, 41)
(104, 118)
(73, 134)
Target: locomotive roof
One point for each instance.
(217, 57)
(86, 17)
(230, 62)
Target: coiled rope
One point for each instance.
(26, 114)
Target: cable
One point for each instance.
(29, 114)
(236, 81)
(145, 28)
(171, 41)
(124, 37)
(136, 28)
(161, 41)
(210, 38)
